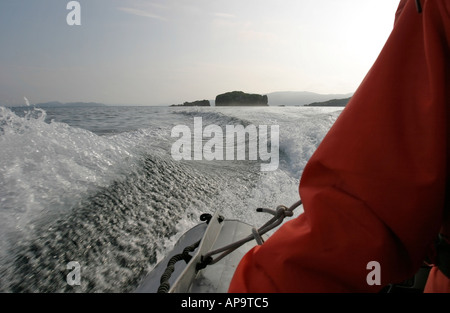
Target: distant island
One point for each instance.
(301, 98)
(239, 98)
(279, 98)
(56, 104)
(198, 103)
(330, 103)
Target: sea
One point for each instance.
(99, 187)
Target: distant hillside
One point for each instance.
(330, 103)
(56, 104)
(297, 98)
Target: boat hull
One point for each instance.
(213, 278)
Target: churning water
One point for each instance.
(98, 186)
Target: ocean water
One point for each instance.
(99, 186)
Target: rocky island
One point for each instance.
(239, 98)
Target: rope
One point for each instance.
(257, 237)
(164, 286)
(279, 215)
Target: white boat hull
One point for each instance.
(214, 278)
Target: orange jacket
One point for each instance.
(375, 188)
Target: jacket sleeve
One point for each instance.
(374, 190)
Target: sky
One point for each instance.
(162, 52)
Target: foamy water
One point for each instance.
(98, 186)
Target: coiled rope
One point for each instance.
(164, 286)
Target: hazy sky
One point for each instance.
(149, 52)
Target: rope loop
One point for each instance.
(257, 236)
